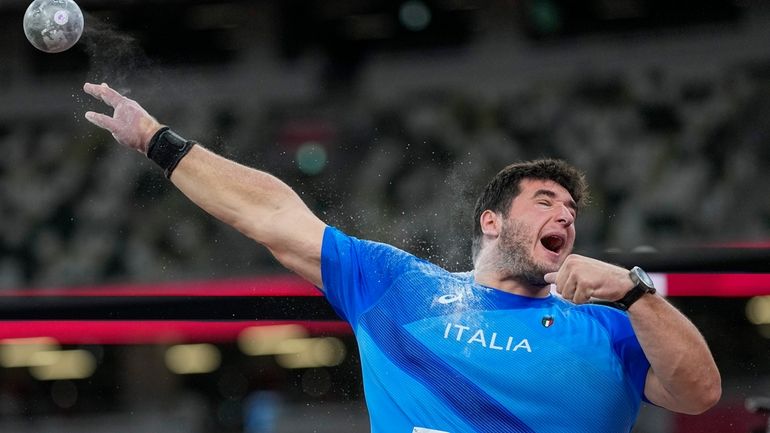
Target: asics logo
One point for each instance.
(448, 299)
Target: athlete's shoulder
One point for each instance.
(602, 310)
(614, 321)
(335, 238)
(375, 253)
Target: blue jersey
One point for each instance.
(441, 353)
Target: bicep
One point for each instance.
(257, 204)
(296, 244)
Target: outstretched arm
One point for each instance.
(256, 203)
(683, 376)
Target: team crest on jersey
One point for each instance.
(547, 321)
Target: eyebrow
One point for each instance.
(550, 194)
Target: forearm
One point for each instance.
(684, 375)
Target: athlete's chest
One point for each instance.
(536, 357)
(471, 327)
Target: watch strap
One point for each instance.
(640, 289)
(632, 296)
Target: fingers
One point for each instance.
(569, 285)
(582, 295)
(94, 90)
(130, 124)
(550, 277)
(104, 93)
(572, 281)
(580, 279)
(574, 292)
(102, 121)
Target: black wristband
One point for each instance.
(167, 148)
(626, 301)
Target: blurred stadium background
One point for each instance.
(124, 308)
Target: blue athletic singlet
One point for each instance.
(440, 353)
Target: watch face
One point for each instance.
(643, 277)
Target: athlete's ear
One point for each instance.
(490, 223)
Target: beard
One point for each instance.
(515, 261)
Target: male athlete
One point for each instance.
(485, 351)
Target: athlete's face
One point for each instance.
(539, 232)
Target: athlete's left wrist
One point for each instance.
(642, 286)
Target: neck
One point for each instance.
(497, 278)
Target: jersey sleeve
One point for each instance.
(357, 272)
(625, 345)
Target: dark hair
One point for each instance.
(505, 186)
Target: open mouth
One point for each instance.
(553, 243)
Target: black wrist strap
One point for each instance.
(167, 148)
(632, 296)
(625, 302)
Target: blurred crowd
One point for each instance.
(672, 160)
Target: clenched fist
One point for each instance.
(581, 278)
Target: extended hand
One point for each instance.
(130, 124)
(581, 278)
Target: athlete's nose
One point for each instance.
(565, 216)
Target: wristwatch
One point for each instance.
(642, 284)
